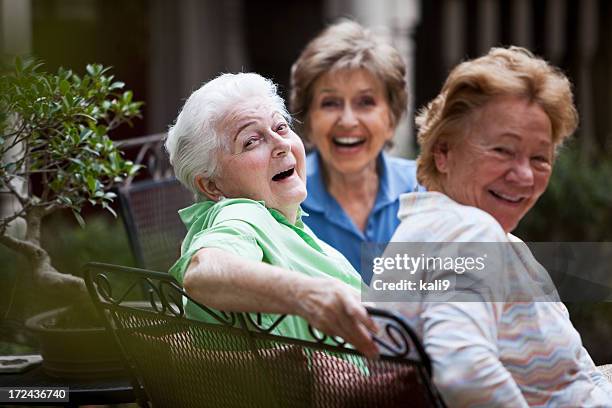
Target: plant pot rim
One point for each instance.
(36, 323)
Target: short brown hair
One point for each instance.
(472, 84)
(347, 45)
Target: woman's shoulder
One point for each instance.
(431, 216)
(400, 174)
(400, 163)
(240, 208)
(210, 213)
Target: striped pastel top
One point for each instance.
(502, 353)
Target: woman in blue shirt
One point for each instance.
(348, 91)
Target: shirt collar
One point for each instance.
(392, 183)
(283, 220)
(190, 214)
(386, 185)
(317, 193)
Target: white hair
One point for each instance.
(194, 140)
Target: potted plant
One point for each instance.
(57, 155)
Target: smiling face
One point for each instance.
(503, 162)
(349, 120)
(262, 159)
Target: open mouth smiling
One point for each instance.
(507, 198)
(348, 141)
(283, 174)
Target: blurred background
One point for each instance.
(163, 50)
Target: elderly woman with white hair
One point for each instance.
(247, 248)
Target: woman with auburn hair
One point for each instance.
(348, 93)
(488, 145)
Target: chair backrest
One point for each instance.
(149, 211)
(182, 362)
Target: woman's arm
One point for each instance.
(225, 281)
(460, 338)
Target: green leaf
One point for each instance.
(91, 184)
(79, 218)
(64, 86)
(66, 104)
(114, 161)
(91, 69)
(76, 161)
(63, 73)
(135, 168)
(109, 209)
(85, 133)
(91, 151)
(116, 85)
(74, 136)
(86, 116)
(127, 96)
(104, 168)
(104, 70)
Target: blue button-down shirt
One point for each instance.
(331, 224)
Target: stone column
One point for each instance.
(556, 30)
(192, 41)
(453, 26)
(396, 19)
(16, 39)
(16, 26)
(488, 23)
(587, 47)
(521, 23)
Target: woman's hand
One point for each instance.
(335, 308)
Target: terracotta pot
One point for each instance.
(75, 352)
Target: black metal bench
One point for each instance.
(180, 362)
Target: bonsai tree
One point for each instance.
(56, 154)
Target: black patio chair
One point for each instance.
(149, 211)
(180, 362)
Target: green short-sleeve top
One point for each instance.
(248, 229)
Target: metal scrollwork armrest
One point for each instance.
(163, 294)
(166, 297)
